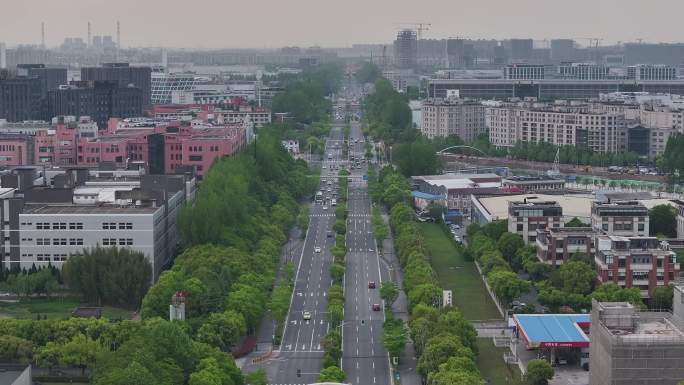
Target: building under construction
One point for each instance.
(406, 49)
(630, 347)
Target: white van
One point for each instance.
(333, 202)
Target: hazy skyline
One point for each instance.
(223, 24)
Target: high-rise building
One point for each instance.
(406, 49)
(124, 75)
(521, 50)
(563, 50)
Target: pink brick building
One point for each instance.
(163, 147)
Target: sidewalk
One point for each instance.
(407, 362)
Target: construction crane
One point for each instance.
(418, 27)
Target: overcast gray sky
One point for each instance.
(275, 23)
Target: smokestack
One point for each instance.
(118, 39)
(90, 41)
(165, 60)
(42, 35)
(3, 56)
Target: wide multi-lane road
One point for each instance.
(300, 357)
(364, 359)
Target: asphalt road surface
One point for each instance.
(300, 357)
(364, 360)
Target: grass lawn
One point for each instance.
(458, 275)
(492, 366)
(53, 309)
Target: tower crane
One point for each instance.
(418, 27)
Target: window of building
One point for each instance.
(604, 227)
(641, 227)
(621, 262)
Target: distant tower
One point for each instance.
(118, 39)
(3, 56)
(42, 35)
(90, 41)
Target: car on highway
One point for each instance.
(317, 249)
(371, 285)
(376, 307)
(371, 249)
(306, 315)
(325, 207)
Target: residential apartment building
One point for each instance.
(630, 346)
(47, 225)
(525, 218)
(622, 218)
(555, 245)
(556, 124)
(452, 116)
(637, 261)
(680, 219)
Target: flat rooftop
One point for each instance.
(573, 205)
(34, 209)
(553, 330)
(456, 181)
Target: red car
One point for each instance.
(376, 307)
(371, 285)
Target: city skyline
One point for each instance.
(223, 25)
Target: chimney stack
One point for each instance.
(42, 35)
(90, 41)
(3, 56)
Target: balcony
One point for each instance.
(640, 282)
(641, 266)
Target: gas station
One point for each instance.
(561, 339)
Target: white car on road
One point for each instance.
(317, 249)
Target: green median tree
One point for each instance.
(389, 291)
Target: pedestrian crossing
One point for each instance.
(322, 215)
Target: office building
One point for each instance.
(634, 347)
(583, 71)
(124, 75)
(459, 53)
(621, 218)
(525, 218)
(524, 72)
(164, 85)
(50, 77)
(547, 89)
(452, 116)
(406, 49)
(560, 125)
(556, 245)
(652, 72)
(48, 225)
(635, 261)
(100, 100)
(21, 98)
